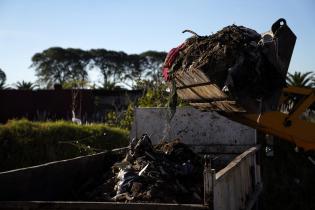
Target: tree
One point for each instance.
(132, 70)
(110, 64)
(144, 68)
(3, 78)
(152, 65)
(119, 67)
(58, 65)
(23, 85)
(61, 66)
(299, 79)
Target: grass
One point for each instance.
(25, 143)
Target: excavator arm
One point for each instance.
(290, 122)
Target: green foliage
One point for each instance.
(76, 84)
(58, 65)
(155, 97)
(152, 65)
(119, 67)
(127, 120)
(24, 143)
(158, 96)
(123, 119)
(61, 66)
(112, 119)
(110, 64)
(23, 85)
(299, 79)
(109, 86)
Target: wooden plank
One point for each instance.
(298, 90)
(205, 93)
(221, 195)
(227, 106)
(191, 76)
(236, 161)
(230, 191)
(243, 194)
(209, 91)
(237, 192)
(239, 186)
(195, 77)
(194, 86)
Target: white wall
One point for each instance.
(191, 126)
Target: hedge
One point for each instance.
(25, 143)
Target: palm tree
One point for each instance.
(23, 85)
(299, 79)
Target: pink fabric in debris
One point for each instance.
(170, 58)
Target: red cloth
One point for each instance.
(170, 58)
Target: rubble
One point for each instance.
(169, 172)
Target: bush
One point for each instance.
(122, 119)
(155, 96)
(24, 143)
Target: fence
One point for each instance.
(89, 105)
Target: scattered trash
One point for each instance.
(169, 172)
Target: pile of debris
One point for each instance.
(169, 173)
(237, 59)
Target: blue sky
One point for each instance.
(134, 26)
